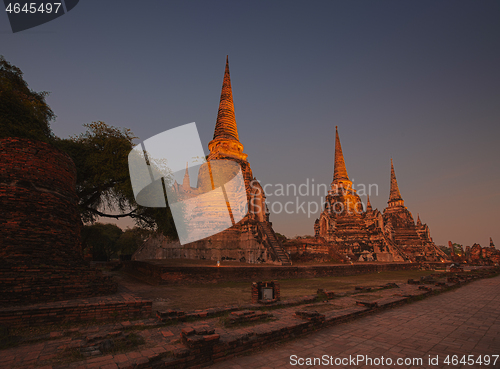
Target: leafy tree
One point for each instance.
(307, 236)
(101, 239)
(445, 249)
(157, 219)
(100, 154)
(459, 250)
(101, 158)
(103, 182)
(281, 237)
(23, 112)
(131, 239)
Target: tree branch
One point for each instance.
(116, 216)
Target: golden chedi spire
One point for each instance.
(225, 126)
(395, 198)
(343, 197)
(368, 204)
(339, 171)
(226, 141)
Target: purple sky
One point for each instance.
(416, 81)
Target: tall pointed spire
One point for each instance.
(419, 222)
(491, 243)
(339, 171)
(395, 196)
(226, 143)
(368, 204)
(225, 127)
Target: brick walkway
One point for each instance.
(465, 321)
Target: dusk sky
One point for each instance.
(418, 81)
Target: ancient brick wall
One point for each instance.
(38, 198)
(94, 309)
(312, 249)
(40, 248)
(155, 273)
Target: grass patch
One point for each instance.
(301, 287)
(204, 296)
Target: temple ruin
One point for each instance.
(40, 247)
(366, 234)
(413, 239)
(476, 254)
(252, 239)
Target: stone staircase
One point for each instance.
(274, 244)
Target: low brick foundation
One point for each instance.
(246, 316)
(24, 285)
(325, 294)
(120, 306)
(154, 272)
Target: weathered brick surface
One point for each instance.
(40, 248)
(206, 342)
(120, 306)
(245, 316)
(464, 322)
(322, 293)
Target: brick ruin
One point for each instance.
(251, 240)
(40, 248)
(345, 231)
(476, 254)
(312, 249)
(348, 229)
(414, 239)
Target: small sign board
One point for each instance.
(267, 293)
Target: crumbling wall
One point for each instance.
(40, 247)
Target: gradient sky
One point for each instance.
(418, 81)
